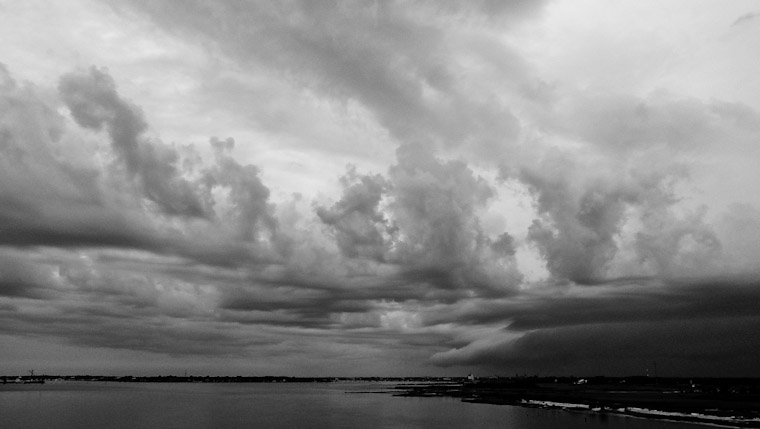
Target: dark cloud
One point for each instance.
(683, 324)
(19, 279)
(716, 348)
(47, 197)
(95, 104)
(71, 225)
(53, 194)
(676, 300)
(136, 332)
(82, 302)
(112, 238)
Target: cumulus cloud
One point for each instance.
(49, 198)
(110, 237)
(95, 104)
(249, 207)
(53, 195)
(610, 177)
(55, 198)
(423, 219)
(361, 229)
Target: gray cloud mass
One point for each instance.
(522, 225)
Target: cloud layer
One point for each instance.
(493, 216)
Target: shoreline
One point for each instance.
(704, 405)
(634, 412)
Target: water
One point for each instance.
(308, 405)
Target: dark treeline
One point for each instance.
(216, 379)
(709, 383)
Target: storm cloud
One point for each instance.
(371, 188)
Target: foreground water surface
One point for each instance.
(272, 405)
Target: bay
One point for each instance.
(272, 405)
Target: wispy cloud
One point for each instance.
(744, 19)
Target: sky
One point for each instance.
(380, 188)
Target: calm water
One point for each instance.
(314, 405)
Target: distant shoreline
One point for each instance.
(723, 402)
(12, 379)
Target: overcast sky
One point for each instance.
(380, 187)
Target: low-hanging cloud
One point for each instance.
(622, 328)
